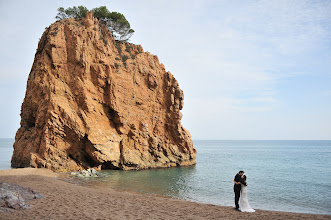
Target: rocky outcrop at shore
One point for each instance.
(87, 173)
(92, 101)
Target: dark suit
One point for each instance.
(237, 188)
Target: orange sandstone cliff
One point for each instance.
(95, 102)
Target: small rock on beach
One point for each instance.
(13, 197)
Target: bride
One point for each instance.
(243, 203)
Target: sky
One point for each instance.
(250, 70)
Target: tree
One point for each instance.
(74, 12)
(115, 21)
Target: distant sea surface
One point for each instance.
(6, 151)
(292, 176)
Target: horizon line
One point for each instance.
(239, 139)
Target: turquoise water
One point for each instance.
(282, 175)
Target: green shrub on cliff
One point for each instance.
(115, 21)
(124, 58)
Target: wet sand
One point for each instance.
(63, 200)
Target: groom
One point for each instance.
(237, 187)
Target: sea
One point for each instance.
(291, 176)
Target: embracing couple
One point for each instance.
(240, 187)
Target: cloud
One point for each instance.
(326, 93)
(290, 27)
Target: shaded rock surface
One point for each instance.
(14, 197)
(92, 101)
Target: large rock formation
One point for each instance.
(95, 102)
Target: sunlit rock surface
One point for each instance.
(95, 102)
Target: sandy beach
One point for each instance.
(64, 200)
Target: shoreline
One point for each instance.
(64, 200)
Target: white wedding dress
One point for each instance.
(243, 203)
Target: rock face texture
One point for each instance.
(95, 102)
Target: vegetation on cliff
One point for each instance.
(115, 21)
